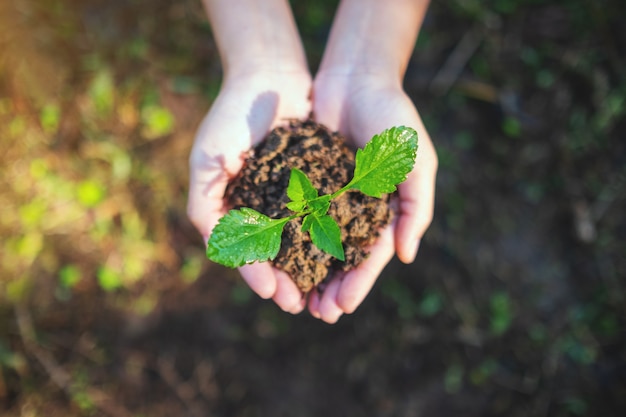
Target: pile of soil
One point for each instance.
(329, 163)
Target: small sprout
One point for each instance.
(245, 236)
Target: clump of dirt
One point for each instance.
(329, 163)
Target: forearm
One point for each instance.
(373, 37)
(255, 36)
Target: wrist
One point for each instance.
(346, 82)
(255, 35)
(363, 62)
(268, 77)
(373, 37)
(258, 68)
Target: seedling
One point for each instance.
(245, 236)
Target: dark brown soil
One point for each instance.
(329, 164)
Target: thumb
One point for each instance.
(417, 200)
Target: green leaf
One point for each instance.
(109, 278)
(320, 205)
(102, 92)
(50, 118)
(300, 187)
(245, 236)
(90, 193)
(69, 276)
(158, 121)
(385, 161)
(325, 234)
(296, 206)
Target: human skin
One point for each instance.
(358, 91)
(266, 81)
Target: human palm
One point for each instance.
(360, 106)
(244, 111)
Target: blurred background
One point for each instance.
(515, 305)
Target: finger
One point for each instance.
(314, 304)
(287, 295)
(417, 201)
(298, 308)
(358, 282)
(260, 278)
(328, 308)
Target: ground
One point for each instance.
(514, 306)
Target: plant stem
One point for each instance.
(341, 191)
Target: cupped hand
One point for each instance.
(360, 106)
(246, 108)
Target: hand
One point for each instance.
(247, 107)
(360, 106)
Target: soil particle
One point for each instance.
(329, 163)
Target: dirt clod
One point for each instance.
(329, 164)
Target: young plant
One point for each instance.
(245, 236)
